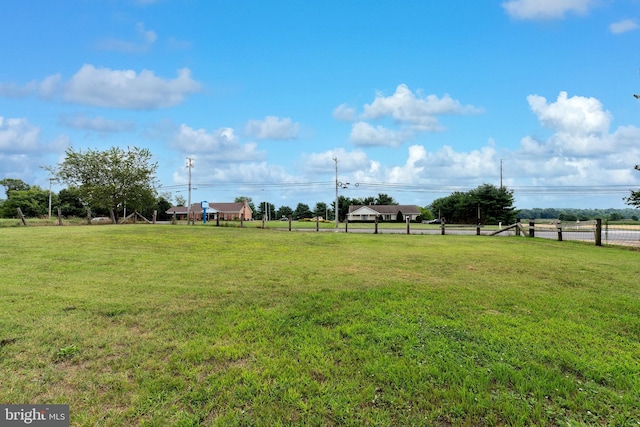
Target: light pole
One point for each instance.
(338, 185)
(189, 166)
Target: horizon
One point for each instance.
(277, 103)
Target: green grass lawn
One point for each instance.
(195, 325)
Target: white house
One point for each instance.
(384, 212)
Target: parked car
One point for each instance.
(432, 221)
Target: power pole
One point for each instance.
(335, 159)
(189, 166)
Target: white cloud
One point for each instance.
(273, 128)
(17, 135)
(344, 113)
(146, 38)
(220, 145)
(545, 9)
(98, 124)
(419, 112)
(623, 26)
(347, 160)
(103, 87)
(576, 115)
(364, 134)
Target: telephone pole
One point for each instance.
(189, 166)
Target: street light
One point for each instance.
(338, 185)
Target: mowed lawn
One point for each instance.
(202, 325)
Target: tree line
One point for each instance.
(118, 180)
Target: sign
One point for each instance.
(204, 205)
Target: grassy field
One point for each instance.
(178, 325)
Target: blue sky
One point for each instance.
(416, 99)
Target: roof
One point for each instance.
(388, 209)
(215, 207)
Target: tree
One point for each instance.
(302, 211)
(70, 203)
(385, 199)
(13, 184)
(321, 210)
(284, 212)
(33, 202)
(112, 178)
(266, 210)
(494, 205)
(634, 198)
(180, 200)
(343, 207)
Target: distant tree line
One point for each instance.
(115, 181)
(569, 214)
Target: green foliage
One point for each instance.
(302, 211)
(284, 212)
(634, 198)
(70, 203)
(112, 178)
(320, 210)
(12, 184)
(33, 202)
(581, 214)
(493, 204)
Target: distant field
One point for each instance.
(195, 325)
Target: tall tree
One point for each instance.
(494, 205)
(385, 199)
(321, 210)
(112, 178)
(13, 184)
(284, 212)
(634, 198)
(33, 202)
(302, 211)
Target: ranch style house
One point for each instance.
(384, 212)
(223, 211)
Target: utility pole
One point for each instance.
(189, 166)
(335, 159)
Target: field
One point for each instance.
(197, 325)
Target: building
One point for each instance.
(223, 211)
(382, 212)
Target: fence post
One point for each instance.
(376, 227)
(532, 228)
(442, 227)
(559, 231)
(317, 223)
(598, 232)
(89, 216)
(24, 220)
(408, 220)
(346, 225)
(59, 216)
(155, 215)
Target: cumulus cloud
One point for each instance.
(406, 107)
(581, 150)
(364, 134)
(103, 87)
(18, 135)
(221, 145)
(344, 113)
(623, 26)
(97, 124)
(348, 160)
(409, 112)
(545, 9)
(273, 128)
